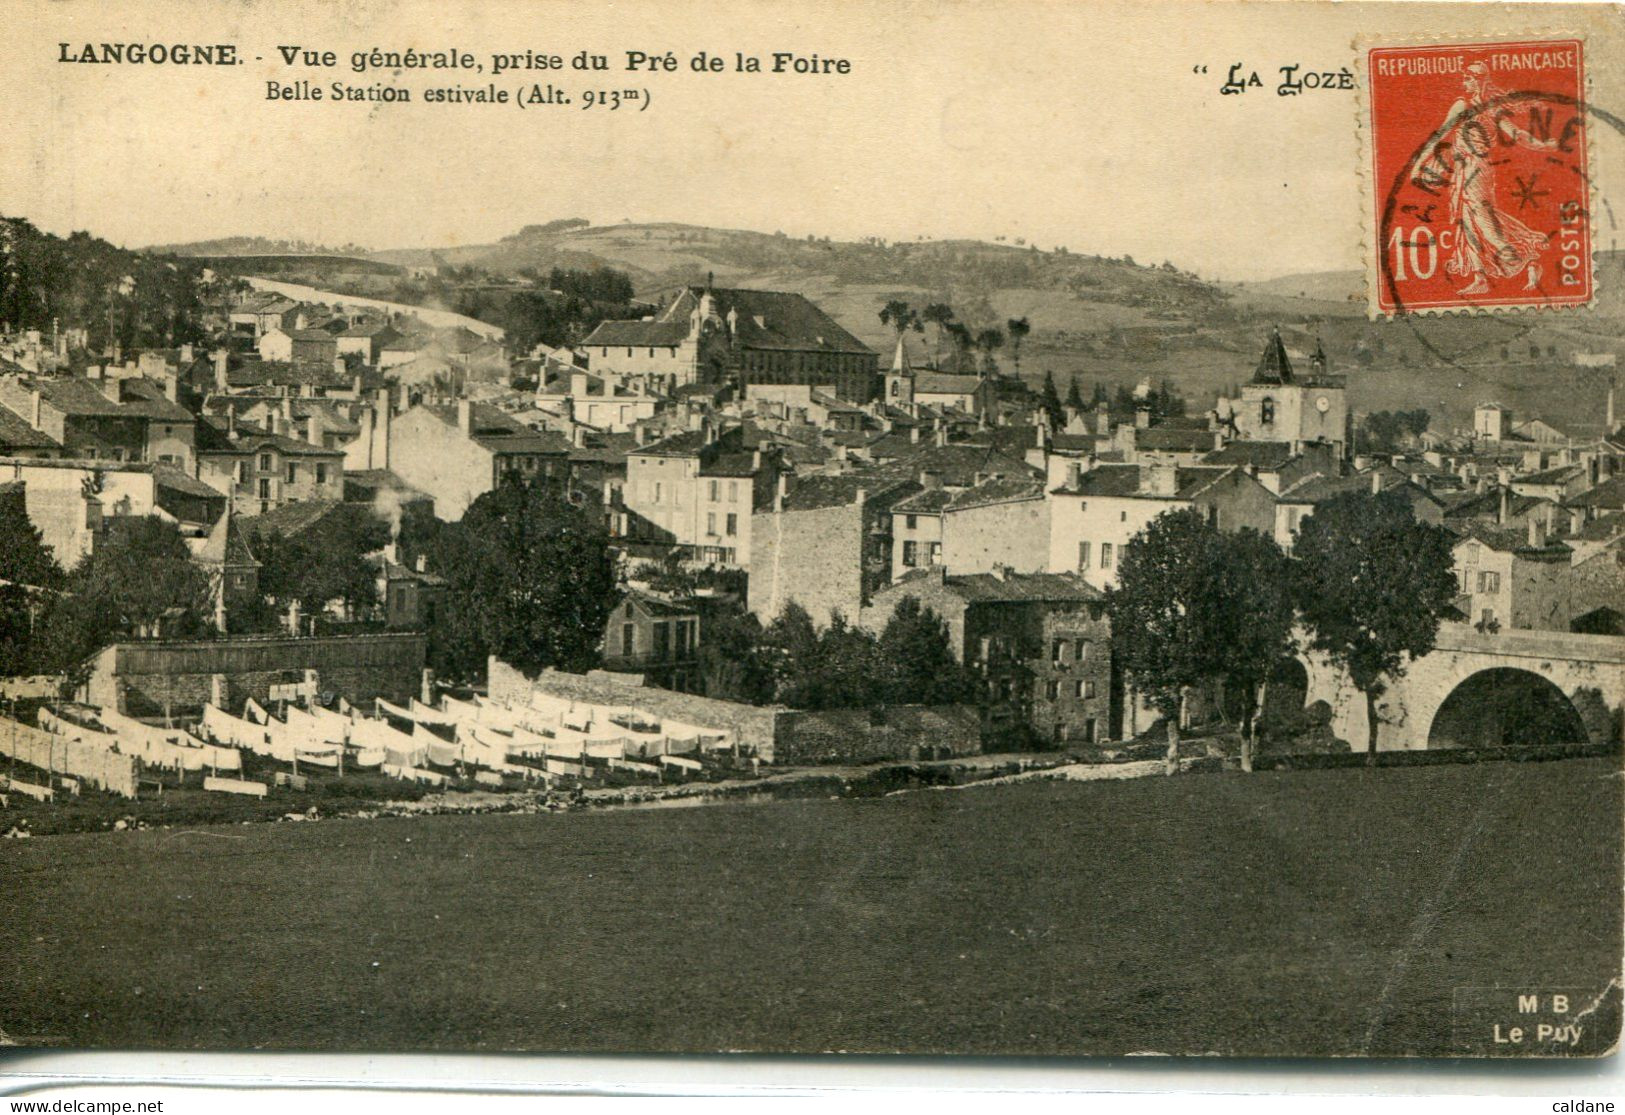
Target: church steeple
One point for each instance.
(1274, 366)
(899, 361)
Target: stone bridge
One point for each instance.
(1475, 689)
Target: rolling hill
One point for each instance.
(1097, 318)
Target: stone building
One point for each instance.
(1040, 642)
(711, 334)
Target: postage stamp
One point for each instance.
(1479, 189)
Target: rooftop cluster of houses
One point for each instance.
(747, 430)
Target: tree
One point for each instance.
(1074, 397)
(530, 578)
(989, 341)
(1054, 412)
(959, 333)
(901, 317)
(1017, 328)
(939, 314)
(1158, 633)
(1373, 584)
(138, 583)
(1248, 609)
(731, 663)
(918, 658)
(789, 646)
(29, 575)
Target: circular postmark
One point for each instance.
(1492, 223)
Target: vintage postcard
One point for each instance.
(1017, 528)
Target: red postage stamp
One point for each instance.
(1479, 186)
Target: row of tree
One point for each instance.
(964, 339)
(1197, 609)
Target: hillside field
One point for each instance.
(1330, 912)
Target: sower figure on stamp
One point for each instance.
(1489, 242)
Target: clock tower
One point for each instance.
(1279, 404)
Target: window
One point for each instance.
(1058, 652)
(1266, 410)
(715, 491)
(400, 599)
(733, 493)
(1086, 688)
(934, 550)
(1083, 556)
(1083, 650)
(1487, 618)
(265, 462)
(265, 488)
(911, 554)
(1105, 555)
(662, 640)
(292, 472)
(629, 639)
(733, 524)
(1489, 582)
(657, 491)
(1213, 517)
(710, 522)
(1122, 516)
(1052, 691)
(910, 522)
(321, 474)
(242, 472)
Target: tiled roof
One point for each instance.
(1125, 482)
(16, 433)
(1558, 475)
(1260, 454)
(168, 476)
(999, 490)
(637, 334)
(942, 383)
(1175, 439)
(499, 433)
(84, 398)
(212, 439)
(929, 502)
(1610, 494)
(1512, 540)
(1067, 588)
(814, 493)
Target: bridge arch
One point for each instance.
(1505, 705)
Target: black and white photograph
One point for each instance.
(1023, 529)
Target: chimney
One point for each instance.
(423, 563)
(914, 435)
(1142, 417)
(1537, 533)
(1376, 481)
(316, 427)
(231, 422)
(188, 354)
(578, 436)
(1042, 435)
(756, 461)
(1159, 480)
(36, 399)
(355, 387)
(287, 409)
(1503, 509)
(465, 416)
(222, 368)
(942, 435)
(172, 387)
(782, 491)
(1074, 474)
(930, 480)
(110, 388)
(1103, 419)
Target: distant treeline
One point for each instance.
(132, 298)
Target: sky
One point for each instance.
(1089, 125)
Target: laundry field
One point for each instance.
(1327, 912)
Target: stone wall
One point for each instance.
(811, 557)
(867, 736)
(143, 679)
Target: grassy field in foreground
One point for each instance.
(1327, 912)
